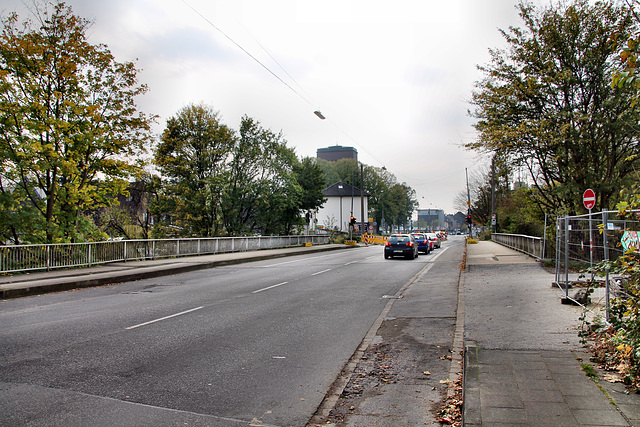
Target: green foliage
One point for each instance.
(547, 104)
(520, 214)
(218, 182)
(68, 125)
(131, 219)
(191, 157)
(311, 179)
(589, 371)
(627, 44)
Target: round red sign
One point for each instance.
(589, 199)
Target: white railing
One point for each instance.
(19, 258)
(529, 245)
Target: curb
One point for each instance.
(471, 414)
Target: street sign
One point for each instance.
(589, 199)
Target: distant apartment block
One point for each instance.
(433, 219)
(336, 153)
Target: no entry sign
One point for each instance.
(589, 199)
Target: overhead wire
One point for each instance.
(247, 52)
(316, 111)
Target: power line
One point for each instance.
(316, 112)
(247, 52)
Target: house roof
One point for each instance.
(342, 189)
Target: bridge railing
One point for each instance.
(24, 258)
(529, 245)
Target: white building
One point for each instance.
(343, 200)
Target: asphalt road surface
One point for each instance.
(252, 344)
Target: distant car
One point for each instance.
(433, 237)
(423, 242)
(401, 245)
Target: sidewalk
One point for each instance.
(522, 352)
(19, 285)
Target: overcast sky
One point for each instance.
(392, 78)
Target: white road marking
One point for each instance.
(163, 318)
(296, 260)
(269, 287)
(320, 272)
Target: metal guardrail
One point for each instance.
(22, 258)
(529, 245)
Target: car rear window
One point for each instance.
(398, 239)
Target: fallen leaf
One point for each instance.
(612, 378)
(427, 373)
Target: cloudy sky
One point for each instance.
(392, 78)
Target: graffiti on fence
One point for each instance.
(630, 240)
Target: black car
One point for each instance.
(401, 245)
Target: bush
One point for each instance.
(338, 238)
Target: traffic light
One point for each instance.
(469, 219)
(352, 221)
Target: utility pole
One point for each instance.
(493, 194)
(468, 203)
(350, 220)
(362, 230)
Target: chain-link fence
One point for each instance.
(583, 241)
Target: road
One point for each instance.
(257, 343)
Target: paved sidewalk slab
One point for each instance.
(535, 388)
(522, 352)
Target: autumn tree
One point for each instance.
(546, 104)
(131, 218)
(69, 126)
(191, 158)
(627, 43)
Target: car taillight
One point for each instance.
(388, 244)
(409, 243)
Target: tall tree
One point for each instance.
(267, 188)
(546, 103)
(311, 180)
(402, 204)
(280, 205)
(246, 174)
(191, 157)
(68, 125)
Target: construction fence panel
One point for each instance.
(584, 241)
